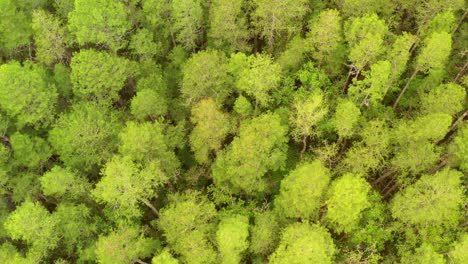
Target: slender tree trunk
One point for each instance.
(404, 89)
(140, 261)
(460, 22)
(304, 145)
(155, 211)
(454, 125)
(460, 73)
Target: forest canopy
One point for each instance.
(233, 131)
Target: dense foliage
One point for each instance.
(233, 131)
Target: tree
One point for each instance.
(370, 153)
(374, 87)
(32, 223)
(260, 78)
(459, 148)
(187, 22)
(355, 8)
(278, 20)
(13, 17)
(433, 200)
(49, 36)
(211, 128)
(264, 233)
(304, 243)
(325, 40)
(142, 44)
(26, 95)
(309, 109)
(348, 198)
(259, 148)
(432, 57)
(205, 75)
(187, 223)
(126, 244)
(457, 254)
(126, 184)
(63, 183)
(346, 117)
(231, 237)
(228, 25)
(415, 141)
(146, 142)
(98, 76)
(152, 97)
(164, 257)
(29, 151)
(86, 136)
(365, 36)
(106, 24)
(399, 55)
(423, 254)
(446, 98)
(302, 190)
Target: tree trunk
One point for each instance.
(405, 88)
(460, 22)
(155, 211)
(460, 73)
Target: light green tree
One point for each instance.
(126, 184)
(86, 136)
(63, 183)
(458, 253)
(164, 257)
(231, 238)
(187, 222)
(259, 148)
(187, 22)
(29, 151)
(302, 191)
(278, 20)
(32, 223)
(432, 57)
(259, 79)
(98, 76)
(99, 22)
(126, 244)
(304, 243)
(13, 16)
(446, 98)
(211, 128)
(346, 118)
(228, 25)
(433, 200)
(49, 37)
(348, 197)
(264, 233)
(205, 75)
(26, 95)
(374, 87)
(424, 254)
(325, 40)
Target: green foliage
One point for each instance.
(151, 99)
(459, 148)
(123, 245)
(347, 199)
(264, 233)
(99, 22)
(259, 148)
(304, 243)
(187, 222)
(278, 20)
(126, 184)
(187, 22)
(205, 75)
(211, 128)
(29, 151)
(423, 254)
(399, 55)
(435, 52)
(309, 109)
(49, 37)
(26, 95)
(346, 117)
(98, 76)
(325, 40)
(302, 191)
(433, 200)
(365, 36)
(242, 106)
(259, 79)
(63, 183)
(231, 236)
(164, 258)
(228, 25)
(86, 136)
(143, 45)
(32, 223)
(458, 254)
(446, 98)
(374, 87)
(13, 17)
(147, 142)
